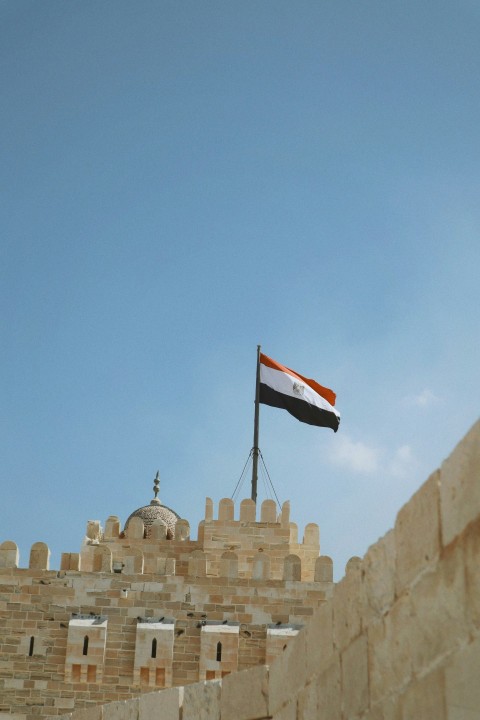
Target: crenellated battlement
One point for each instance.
(145, 606)
(243, 547)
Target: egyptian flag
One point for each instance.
(305, 399)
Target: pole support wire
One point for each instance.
(239, 484)
(241, 479)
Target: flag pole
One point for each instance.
(255, 449)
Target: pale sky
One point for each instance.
(181, 181)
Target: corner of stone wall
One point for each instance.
(460, 486)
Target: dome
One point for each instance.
(152, 512)
(155, 511)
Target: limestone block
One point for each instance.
(261, 566)
(201, 701)
(424, 699)
(287, 712)
(245, 694)
(460, 488)
(226, 509)
(319, 640)
(165, 566)
(182, 530)
(354, 662)
(387, 709)
(197, 564)
(311, 536)
(471, 555)
(39, 556)
(9, 554)
(112, 528)
(164, 705)
(307, 708)
(94, 530)
(86, 557)
(123, 710)
(89, 713)
(348, 604)
(285, 514)
(288, 674)
(268, 512)
(102, 558)
(208, 509)
(64, 703)
(292, 569)
(229, 565)
(379, 579)
(462, 687)
(248, 510)
(70, 561)
(329, 691)
(439, 610)
(293, 533)
(323, 569)
(278, 638)
(390, 641)
(136, 529)
(133, 561)
(417, 532)
(158, 530)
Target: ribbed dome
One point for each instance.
(155, 511)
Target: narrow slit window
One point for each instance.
(30, 649)
(154, 648)
(85, 645)
(219, 651)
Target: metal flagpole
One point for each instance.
(255, 449)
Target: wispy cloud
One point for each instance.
(403, 462)
(423, 399)
(363, 459)
(355, 456)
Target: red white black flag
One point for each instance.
(302, 397)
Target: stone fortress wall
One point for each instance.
(399, 639)
(138, 609)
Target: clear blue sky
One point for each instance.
(183, 180)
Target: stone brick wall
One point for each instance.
(40, 605)
(399, 639)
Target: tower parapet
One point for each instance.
(145, 606)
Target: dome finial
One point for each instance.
(156, 488)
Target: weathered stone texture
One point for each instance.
(390, 650)
(330, 691)
(288, 674)
(355, 678)
(121, 710)
(348, 604)
(438, 603)
(460, 486)
(161, 706)
(417, 532)
(379, 579)
(462, 686)
(424, 699)
(201, 701)
(245, 695)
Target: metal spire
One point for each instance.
(156, 489)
